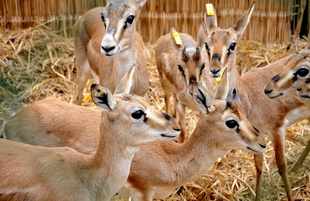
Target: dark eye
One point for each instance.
(302, 72)
(207, 47)
(181, 69)
(130, 19)
(232, 124)
(138, 114)
(232, 47)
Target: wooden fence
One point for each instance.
(270, 22)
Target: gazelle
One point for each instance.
(293, 81)
(42, 173)
(270, 116)
(106, 45)
(222, 126)
(179, 66)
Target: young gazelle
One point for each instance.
(179, 66)
(106, 45)
(293, 81)
(270, 116)
(41, 173)
(222, 126)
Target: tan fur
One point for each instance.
(270, 116)
(177, 164)
(40, 173)
(90, 36)
(192, 60)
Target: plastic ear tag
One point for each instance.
(220, 78)
(209, 9)
(101, 93)
(88, 97)
(177, 38)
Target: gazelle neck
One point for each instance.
(195, 156)
(125, 59)
(113, 154)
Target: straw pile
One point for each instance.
(37, 63)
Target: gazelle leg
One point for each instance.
(302, 157)
(279, 148)
(181, 120)
(259, 163)
(83, 74)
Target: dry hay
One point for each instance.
(37, 63)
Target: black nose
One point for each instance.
(268, 91)
(299, 89)
(108, 49)
(262, 146)
(215, 71)
(192, 80)
(176, 129)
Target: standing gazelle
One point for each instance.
(179, 66)
(40, 173)
(107, 45)
(270, 116)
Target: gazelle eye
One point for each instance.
(232, 124)
(232, 47)
(130, 19)
(181, 69)
(302, 72)
(138, 114)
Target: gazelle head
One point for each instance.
(119, 18)
(303, 89)
(135, 120)
(221, 43)
(191, 62)
(234, 131)
(296, 69)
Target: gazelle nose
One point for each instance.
(108, 49)
(214, 72)
(192, 80)
(262, 146)
(267, 91)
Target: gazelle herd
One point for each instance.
(68, 152)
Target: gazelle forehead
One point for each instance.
(221, 36)
(119, 8)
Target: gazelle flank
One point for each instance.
(270, 116)
(107, 45)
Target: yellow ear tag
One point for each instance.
(177, 38)
(88, 97)
(101, 93)
(209, 9)
(220, 78)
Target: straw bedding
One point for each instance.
(37, 63)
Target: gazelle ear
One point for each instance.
(308, 44)
(126, 82)
(232, 95)
(210, 20)
(243, 21)
(222, 86)
(202, 98)
(102, 97)
(201, 36)
(177, 47)
(141, 3)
